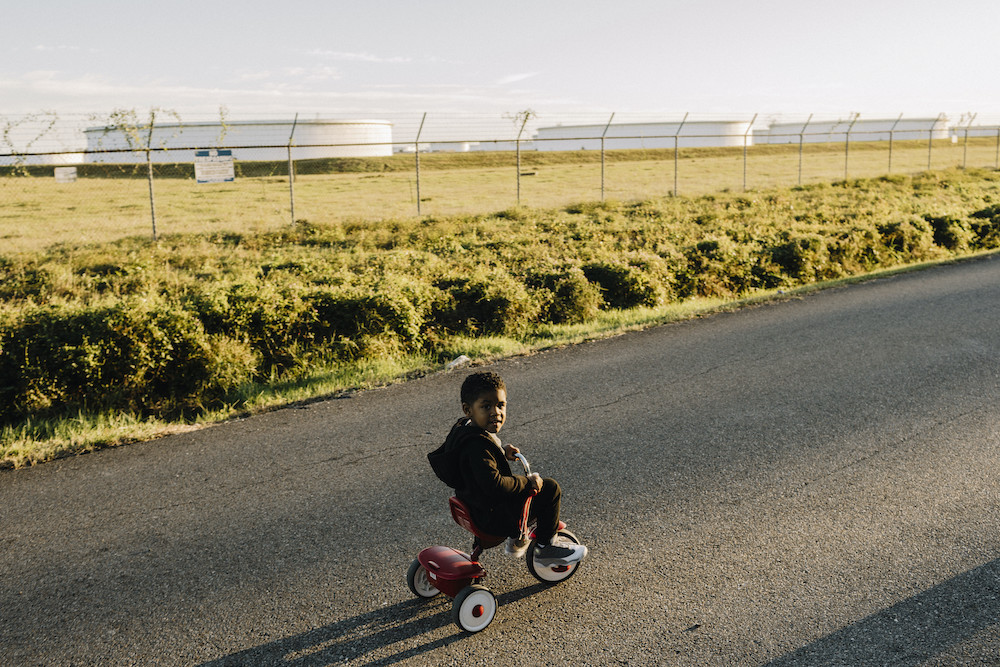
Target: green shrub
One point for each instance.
(230, 364)
(166, 362)
(356, 322)
(20, 281)
(489, 302)
(987, 232)
(567, 297)
(802, 257)
(272, 320)
(855, 250)
(622, 286)
(143, 356)
(911, 239)
(950, 232)
(718, 267)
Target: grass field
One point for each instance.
(35, 211)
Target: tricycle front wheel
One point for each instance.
(474, 608)
(556, 573)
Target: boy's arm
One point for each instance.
(534, 479)
(488, 479)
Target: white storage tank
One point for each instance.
(40, 141)
(451, 146)
(976, 131)
(248, 140)
(501, 145)
(874, 129)
(644, 135)
(55, 159)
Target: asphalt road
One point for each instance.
(809, 482)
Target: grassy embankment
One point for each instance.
(105, 343)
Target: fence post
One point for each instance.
(149, 169)
(965, 146)
(847, 142)
(996, 159)
(930, 139)
(517, 148)
(291, 168)
(416, 154)
(676, 134)
(602, 152)
(745, 135)
(801, 134)
(891, 131)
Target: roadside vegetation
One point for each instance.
(106, 343)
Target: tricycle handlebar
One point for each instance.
(524, 462)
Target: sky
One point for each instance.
(577, 59)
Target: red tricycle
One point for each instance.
(458, 574)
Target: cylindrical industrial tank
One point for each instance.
(249, 140)
(863, 129)
(55, 159)
(643, 135)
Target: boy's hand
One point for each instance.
(536, 480)
(509, 451)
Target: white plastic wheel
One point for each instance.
(552, 574)
(420, 585)
(474, 608)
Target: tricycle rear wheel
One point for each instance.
(474, 608)
(418, 581)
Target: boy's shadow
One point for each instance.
(354, 637)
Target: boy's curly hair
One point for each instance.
(480, 382)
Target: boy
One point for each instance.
(476, 467)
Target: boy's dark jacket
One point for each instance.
(473, 464)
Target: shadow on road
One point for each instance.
(354, 637)
(915, 630)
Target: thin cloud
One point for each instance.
(312, 74)
(514, 78)
(357, 57)
(61, 47)
(50, 48)
(89, 93)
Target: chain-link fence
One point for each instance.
(93, 178)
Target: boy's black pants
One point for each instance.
(545, 510)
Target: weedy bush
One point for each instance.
(269, 318)
(985, 225)
(566, 297)
(22, 281)
(491, 301)
(949, 232)
(622, 285)
(135, 355)
(355, 324)
(720, 267)
(802, 257)
(912, 239)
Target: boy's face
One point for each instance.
(489, 410)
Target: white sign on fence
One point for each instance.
(65, 174)
(214, 166)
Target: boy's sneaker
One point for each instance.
(516, 546)
(560, 552)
